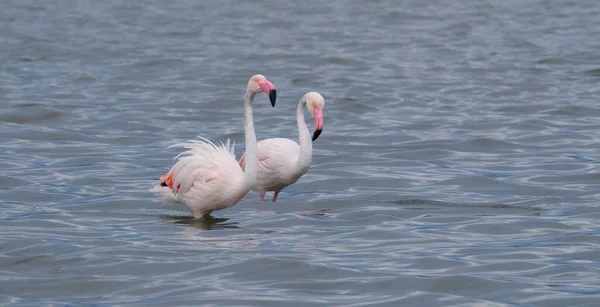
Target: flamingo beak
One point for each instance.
(269, 89)
(318, 115)
(273, 96)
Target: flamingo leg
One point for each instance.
(262, 197)
(275, 196)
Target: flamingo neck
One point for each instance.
(251, 167)
(304, 139)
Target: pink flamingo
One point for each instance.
(207, 177)
(281, 162)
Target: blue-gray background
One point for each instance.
(458, 165)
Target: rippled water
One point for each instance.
(459, 163)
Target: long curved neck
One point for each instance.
(305, 157)
(251, 167)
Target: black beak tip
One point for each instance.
(316, 134)
(273, 96)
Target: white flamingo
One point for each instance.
(207, 177)
(281, 162)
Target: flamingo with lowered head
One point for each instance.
(281, 162)
(207, 177)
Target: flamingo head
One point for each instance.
(315, 104)
(258, 83)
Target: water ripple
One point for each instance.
(458, 165)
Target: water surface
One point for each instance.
(459, 163)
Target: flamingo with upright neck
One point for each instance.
(281, 162)
(207, 177)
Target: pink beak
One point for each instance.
(318, 115)
(269, 89)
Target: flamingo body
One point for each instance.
(277, 165)
(200, 177)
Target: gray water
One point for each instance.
(459, 164)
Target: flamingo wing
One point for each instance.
(202, 162)
(200, 176)
(276, 162)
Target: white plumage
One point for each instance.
(199, 175)
(277, 167)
